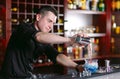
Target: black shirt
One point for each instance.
(22, 50)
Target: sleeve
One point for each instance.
(25, 31)
(51, 53)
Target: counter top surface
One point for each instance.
(108, 76)
(112, 75)
(115, 75)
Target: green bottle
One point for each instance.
(101, 5)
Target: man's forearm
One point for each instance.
(51, 38)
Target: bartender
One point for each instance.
(29, 41)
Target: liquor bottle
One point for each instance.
(87, 4)
(112, 45)
(117, 30)
(70, 4)
(14, 9)
(96, 45)
(113, 5)
(60, 49)
(113, 24)
(14, 20)
(70, 52)
(83, 2)
(97, 29)
(101, 5)
(118, 5)
(93, 5)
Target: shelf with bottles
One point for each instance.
(115, 5)
(115, 28)
(92, 50)
(96, 19)
(115, 33)
(90, 31)
(96, 13)
(98, 38)
(24, 10)
(87, 6)
(115, 45)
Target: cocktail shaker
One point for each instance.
(82, 40)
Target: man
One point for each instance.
(29, 41)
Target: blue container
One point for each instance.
(91, 65)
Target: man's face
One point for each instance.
(45, 23)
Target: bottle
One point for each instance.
(14, 20)
(113, 5)
(70, 52)
(87, 4)
(107, 65)
(117, 30)
(76, 53)
(83, 2)
(118, 5)
(113, 23)
(60, 49)
(96, 46)
(14, 9)
(112, 44)
(94, 5)
(101, 5)
(70, 4)
(97, 29)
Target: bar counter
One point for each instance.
(108, 76)
(115, 75)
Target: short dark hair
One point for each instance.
(46, 8)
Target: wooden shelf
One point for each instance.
(98, 57)
(96, 34)
(116, 35)
(31, 3)
(85, 11)
(116, 12)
